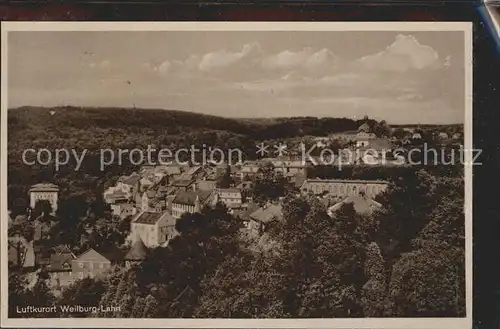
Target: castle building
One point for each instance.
(44, 191)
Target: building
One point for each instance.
(126, 187)
(364, 136)
(90, 264)
(189, 202)
(344, 188)
(59, 267)
(123, 209)
(362, 205)
(231, 197)
(153, 228)
(44, 191)
(263, 216)
(249, 169)
(147, 197)
(183, 184)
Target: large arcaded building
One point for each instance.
(344, 187)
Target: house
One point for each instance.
(362, 205)
(364, 135)
(189, 202)
(147, 197)
(137, 253)
(90, 264)
(263, 216)
(127, 186)
(231, 197)
(153, 228)
(44, 191)
(416, 135)
(146, 183)
(157, 205)
(60, 267)
(183, 184)
(249, 169)
(113, 196)
(123, 209)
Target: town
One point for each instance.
(151, 200)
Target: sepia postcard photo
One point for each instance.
(236, 175)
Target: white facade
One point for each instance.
(153, 234)
(47, 192)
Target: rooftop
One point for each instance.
(189, 197)
(362, 205)
(267, 213)
(44, 187)
(149, 218)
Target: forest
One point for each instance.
(405, 260)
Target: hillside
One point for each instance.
(94, 129)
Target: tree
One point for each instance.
(19, 295)
(436, 278)
(374, 291)
(399, 133)
(225, 180)
(382, 129)
(150, 307)
(21, 226)
(269, 185)
(41, 294)
(85, 292)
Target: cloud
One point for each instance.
(224, 58)
(306, 58)
(163, 67)
(404, 54)
(102, 64)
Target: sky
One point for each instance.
(407, 77)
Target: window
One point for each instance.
(91, 266)
(101, 265)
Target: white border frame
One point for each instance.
(361, 323)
